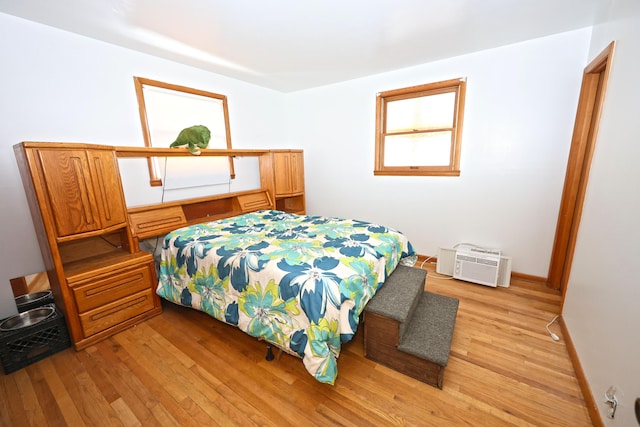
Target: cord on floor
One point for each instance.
(435, 275)
(551, 334)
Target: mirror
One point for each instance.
(166, 109)
(30, 283)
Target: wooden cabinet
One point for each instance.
(99, 278)
(108, 299)
(282, 171)
(83, 189)
(288, 173)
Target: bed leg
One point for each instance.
(269, 356)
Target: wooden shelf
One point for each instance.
(183, 152)
(293, 204)
(95, 264)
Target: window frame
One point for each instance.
(458, 86)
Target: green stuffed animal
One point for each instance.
(194, 138)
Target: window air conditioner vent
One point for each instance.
(475, 264)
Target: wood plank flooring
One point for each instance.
(184, 368)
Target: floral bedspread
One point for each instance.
(298, 282)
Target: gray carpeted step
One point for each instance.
(430, 330)
(410, 330)
(399, 296)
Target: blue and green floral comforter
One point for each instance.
(299, 282)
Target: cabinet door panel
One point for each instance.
(70, 191)
(297, 173)
(282, 170)
(108, 190)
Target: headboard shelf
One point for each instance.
(294, 204)
(157, 219)
(184, 152)
(208, 209)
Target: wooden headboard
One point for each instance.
(157, 219)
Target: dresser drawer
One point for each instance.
(254, 202)
(116, 312)
(157, 221)
(113, 287)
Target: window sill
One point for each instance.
(415, 173)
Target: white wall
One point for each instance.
(602, 304)
(520, 107)
(57, 86)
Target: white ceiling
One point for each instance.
(289, 45)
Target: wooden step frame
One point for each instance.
(381, 339)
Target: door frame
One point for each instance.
(594, 82)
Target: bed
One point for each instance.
(298, 282)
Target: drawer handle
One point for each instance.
(159, 223)
(112, 285)
(108, 313)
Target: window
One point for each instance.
(166, 109)
(419, 129)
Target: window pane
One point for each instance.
(426, 112)
(429, 149)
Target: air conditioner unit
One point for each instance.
(475, 264)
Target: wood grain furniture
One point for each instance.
(100, 279)
(283, 172)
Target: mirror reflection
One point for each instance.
(30, 283)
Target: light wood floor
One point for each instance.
(184, 368)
